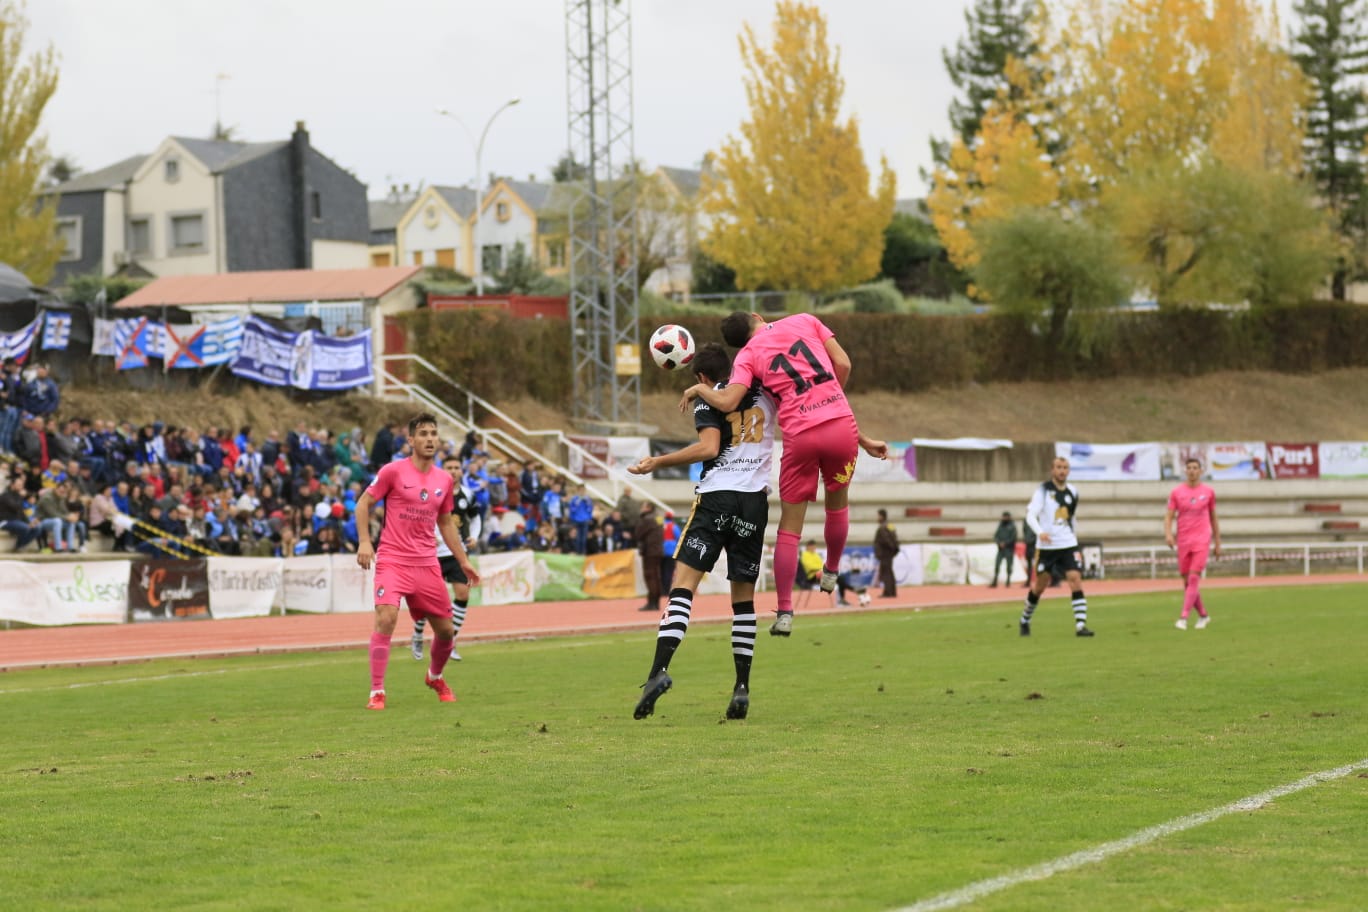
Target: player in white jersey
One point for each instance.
(468, 518)
(1050, 514)
(730, 512)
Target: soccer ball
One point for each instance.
(672, 346)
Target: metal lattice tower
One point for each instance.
(603, 252)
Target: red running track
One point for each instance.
(45, 647)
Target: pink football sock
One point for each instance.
(441, 651)
(1191, 598)
(379, 659)
(836, 531)
(785, 568)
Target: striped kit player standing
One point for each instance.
(1050, 515)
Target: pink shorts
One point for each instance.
(830, 449)
(1191, 560)
(420, 585)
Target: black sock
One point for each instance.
(673, 626)
(743, 640)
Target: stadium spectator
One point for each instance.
(11, 403)
(1050, 515)
(33, 443)
(55, 518)
(40, 394)
(650, 545)
(669, 531)
(1193, 505)
(581, 514)
(1005, 537)
(530, 491)
(885, 550)
(17, 515)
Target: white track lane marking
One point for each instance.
(166, 677)
(983, 888)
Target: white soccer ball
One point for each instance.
(672, 346)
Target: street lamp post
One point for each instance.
(479, 197)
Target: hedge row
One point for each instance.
(499, 357)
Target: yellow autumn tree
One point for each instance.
(28, 239)
(790, 198)
(1005, 170)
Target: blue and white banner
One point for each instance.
(307, 360)
(16, 344)
(201, 345)
(56, 330)
(102, 338)
(135, 341)
(1111, 461)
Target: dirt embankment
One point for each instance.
(1226, 406)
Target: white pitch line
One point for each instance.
(983, 888)
(166, 677)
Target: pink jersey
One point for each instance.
(1193, 507)
(413, 501)
(790, 360)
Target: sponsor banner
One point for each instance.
(58, 594)
(22, 595)
(505, 579)
(353, 589)
(558, 577)
(909, 566)
(1293, 460)
(983, 559)
(947, 564)
(307, 584)
(626, 451)
(244, 586)
(859, 562)
(594, 446)
(614, 575)
(901, 465)
(1236, 461)
(1343, 460)
(1173, 456)
(1111, 461)
(963, 443)
(168, 590)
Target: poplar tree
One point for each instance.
(28, 239)
(790, 198)
(1332, 49)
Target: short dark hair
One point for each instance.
(883, 514)
(736, 328)
(712, 362)
(419, 420)
(1191, 459)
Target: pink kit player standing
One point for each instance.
(417, 495)
(803, 369)
(1194, 505)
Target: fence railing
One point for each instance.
(1251, 560)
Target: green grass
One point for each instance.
(888, 758)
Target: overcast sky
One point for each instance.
(366, 77)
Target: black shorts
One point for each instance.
(726, 521)
(1058, 561)
(451, 570)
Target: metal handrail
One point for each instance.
(389, 384)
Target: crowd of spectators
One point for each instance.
(154, 487)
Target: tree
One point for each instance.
(711, 277)
(997, 32)
(61, 169)
(915, 260)
(566, 169)
(1332, 49)
(790, 198)
(28, 238)
(1043, 266)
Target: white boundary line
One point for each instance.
(165, 677)
(983, 888)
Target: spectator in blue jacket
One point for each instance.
(40, 395)
(581, 514)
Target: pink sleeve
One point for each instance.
(818, 328)
(380, 486)
(742, 372)
(1173, 500)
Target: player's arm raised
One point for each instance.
(709, 444)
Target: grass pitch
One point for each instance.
(888, 758)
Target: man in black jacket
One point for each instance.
(1005, 537)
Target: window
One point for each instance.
(171, 170)
(446, 256)
(555, 254)
(316, 205)
(417, 258)
(492, 259)
(139, 235)
(501, 211)
(69, 231)
(187, 233)
(380, 259)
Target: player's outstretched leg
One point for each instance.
(835, 531)
(743, 653)
(673, 626)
